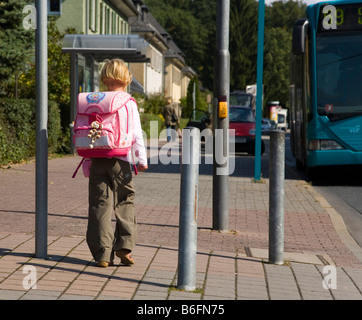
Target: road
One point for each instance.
(342, 187)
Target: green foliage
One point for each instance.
(58, 70)
(16, 44)
(276, 65)
(55, 136)
(58, 80)
(153, 104)
(243, 43)
(200, 100)
(192, 27)
(147, 118)
(279, 20)
(283, 14)
(17, 129)
(151, 108)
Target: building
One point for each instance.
(150, 75)
(167, 71)
(124, 29)
(93, 16)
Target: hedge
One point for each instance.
(17, 129)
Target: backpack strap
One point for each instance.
(76, 170)
(134, 163)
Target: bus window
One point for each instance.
(339, 75)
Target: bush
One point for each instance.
(154, 103)
(17, 129)
(146, 119)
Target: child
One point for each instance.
(111, 187)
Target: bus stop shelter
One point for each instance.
(88, 51)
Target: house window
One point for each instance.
(176, 75)
(103, 19)
(113, 23)
(93, 13)
(108, 21)
(54, 7)
(120, 25)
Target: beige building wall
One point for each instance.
(92, 17)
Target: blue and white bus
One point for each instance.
(326, 86)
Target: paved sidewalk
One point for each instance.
(231, 265)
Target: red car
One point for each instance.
(242, 120)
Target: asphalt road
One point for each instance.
(342, 188)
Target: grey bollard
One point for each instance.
(276, 197)
(186, 279)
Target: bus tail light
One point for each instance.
(324, 145)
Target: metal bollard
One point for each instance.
(186, 279)
(276, 197)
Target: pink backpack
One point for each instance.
(103, 126)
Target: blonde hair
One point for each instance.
(116, 71)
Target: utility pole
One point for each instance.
(259, 90)
(221, 119)
(41, 201)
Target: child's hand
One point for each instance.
(142, 167)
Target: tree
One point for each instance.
(16, 44)
(191, 24)
(283, 14)
(205, 13)
(58, 69)
(58, 73)
(276, 65)
(243, 43)
(279, 20)
(200, 102)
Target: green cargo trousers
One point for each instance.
(110, 190)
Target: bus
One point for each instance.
(326, 86)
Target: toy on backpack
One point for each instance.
(95, 132)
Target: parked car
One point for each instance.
(242, 120)
(273, 125)
(266, 126)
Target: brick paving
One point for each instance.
(231, 265)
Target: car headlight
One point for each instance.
(252, 132)
(324, 145)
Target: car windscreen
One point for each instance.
(241, 115)
(240, 100)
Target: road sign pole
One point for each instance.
(186, 279)
(41, 201)
(259, 92)
(276, 196)
(221, 118)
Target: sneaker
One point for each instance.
(104, 264)
(125, 256)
